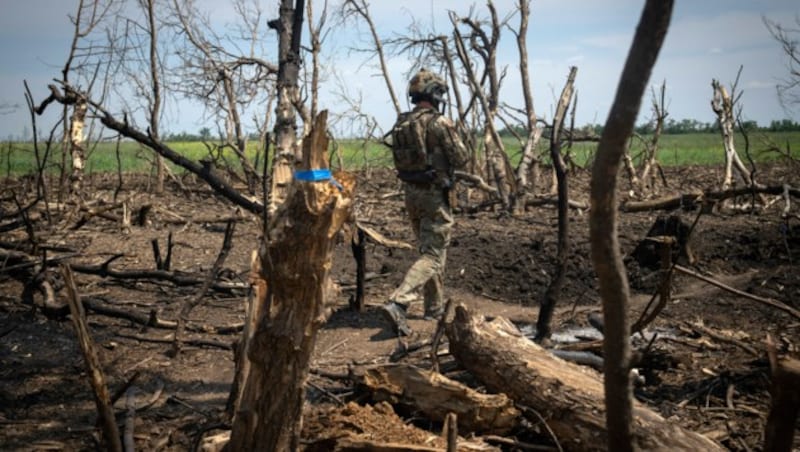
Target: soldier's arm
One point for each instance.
(451, 142)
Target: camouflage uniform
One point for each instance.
(427, 203)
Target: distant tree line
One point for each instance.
(204, 134)
(684, 126)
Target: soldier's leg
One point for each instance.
(433, 290)
(435, 223)
(395, 309)
(432, 222)
(406, 291)
(433, 295)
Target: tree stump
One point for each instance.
(295, 260)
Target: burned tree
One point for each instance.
(643, 179)
(293, 307)
(305, 214)
(154, 99)
(611, 274)
(786, 36)
(88, 16)
(528, 170)
(77, 145)
(360, 8)
(553, 292)
(724, 104)
(225, 82)
(484, 44)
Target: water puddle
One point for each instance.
(587, 333)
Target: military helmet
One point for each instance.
(426, 84)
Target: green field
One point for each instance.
(694, 149)
(674, 150)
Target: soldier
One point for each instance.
(427, 150)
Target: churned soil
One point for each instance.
(699, 372)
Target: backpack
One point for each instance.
(409, 134)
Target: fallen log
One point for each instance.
(436, 396)
(568, 396)
(685, 200)
(97, 378)
(99, 305)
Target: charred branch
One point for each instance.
(71, 96)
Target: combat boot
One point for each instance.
(433, 313)
(395, 314)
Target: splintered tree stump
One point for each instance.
(295, 261)
(436, 396)
(568, 396)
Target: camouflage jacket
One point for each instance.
(423, 140)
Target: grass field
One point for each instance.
(674, 150)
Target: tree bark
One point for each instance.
(529, 158)
(361, 8)
(568, 396)
(486, 46)
(687, 200)
(436, 395)
(553, 292)
(97, 379)
(723, 105)
(155, 84)
(285, 158)
(77, 146)
(296, 262)
(606, 256)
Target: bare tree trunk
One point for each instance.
(77, 34)
(650, 164)
(155, 102)
(723, 105)
(315, 33)
(630, 168)
(77, 146)
(497, 159)
(289, 27)
(553, 292)
(610, 270)
(296, 262)
(254, 306)
(97, 379)
(643, 180)
(237, 135)
(529, 157)
(466, 135)
(361, 7)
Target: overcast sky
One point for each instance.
(707, 39)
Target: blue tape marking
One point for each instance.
(313, 175)
(317, 175)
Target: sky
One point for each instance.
(707, 40)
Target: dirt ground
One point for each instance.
(498, 265)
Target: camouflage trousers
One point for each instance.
(432, 220)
